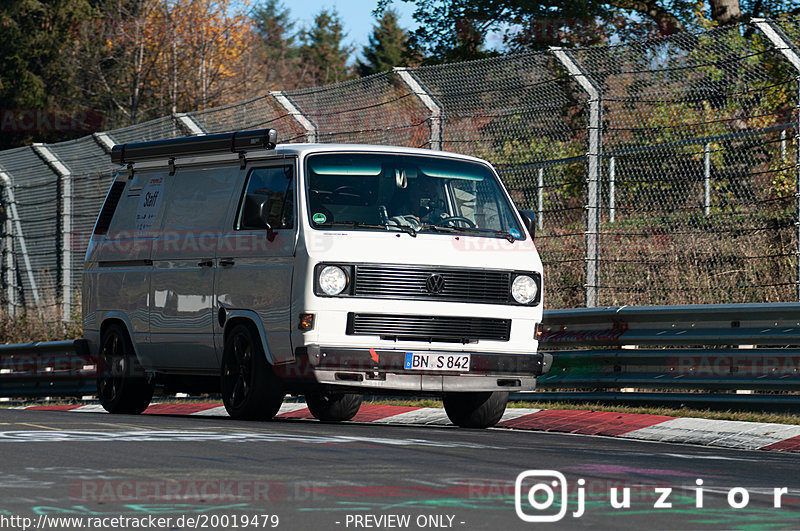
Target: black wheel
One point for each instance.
(475, 410)
(452, 220)
(122, 384)
(250, 390)
(333, 407)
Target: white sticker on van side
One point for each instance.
(149, 204)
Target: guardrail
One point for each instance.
(51, 368)
(699, 347)
(597, 352)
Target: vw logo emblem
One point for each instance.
(435, 283)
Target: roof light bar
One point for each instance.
(237, 142)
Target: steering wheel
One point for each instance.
(458, 219)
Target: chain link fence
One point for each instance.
(662, 172)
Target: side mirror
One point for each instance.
(256, 213)
(529, 218)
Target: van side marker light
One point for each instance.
(306, 322)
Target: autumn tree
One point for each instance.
(125, 56)
(157, 57)
(212, 36)
(387, 46)
(323, 53)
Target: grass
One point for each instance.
(31, 325)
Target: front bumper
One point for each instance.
(383, 369)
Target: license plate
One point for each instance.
(434, 361)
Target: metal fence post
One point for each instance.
(309, 127)
(593, 154)
(707, 179)
(540, 199)
(612, 191)
(188, 124)
(104, 141)
(783, 145)
(784, 45)
(9, 275)
(432, 105)
(8, 184)
(65, 189)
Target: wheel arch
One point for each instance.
(249, 318)
(120, 319)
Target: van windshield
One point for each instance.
(410, 193)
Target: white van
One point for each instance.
(227, 263)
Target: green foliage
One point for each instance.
(323, 51)
(387, 48)
(36, 43)
(273, 26)
(456, 30)
(278, 49)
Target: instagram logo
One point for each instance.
(536, 491)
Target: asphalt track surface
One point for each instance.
(367, 476)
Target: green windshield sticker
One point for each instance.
(319, 217)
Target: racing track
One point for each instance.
(325, 476)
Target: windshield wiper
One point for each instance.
(448, 228)
(360, 225)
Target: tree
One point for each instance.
(387, 47)
(37, 40)
(456, 29)
(154, 57)
(277, 50)
(323, 54)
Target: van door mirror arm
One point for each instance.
(529, 218)
(270, 233)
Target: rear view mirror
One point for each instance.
(529, 218)
(256, 214)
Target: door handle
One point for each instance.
(206, 263)
(226, 263)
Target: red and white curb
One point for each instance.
(722, 433)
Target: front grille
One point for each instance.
(428, 327)
(409, 282)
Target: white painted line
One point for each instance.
(288, 407)
(218, 411)
(516, 412)
(91, 408)
(726, 433)
(429, 416)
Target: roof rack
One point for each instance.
(237, 142)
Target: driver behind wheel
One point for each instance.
(419, 197)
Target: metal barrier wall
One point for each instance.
(699, 348)
(664, 171)
(53, 368)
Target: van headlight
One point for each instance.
(332, 280)
(524, 289)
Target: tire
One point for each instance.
(475, 410)
(333, 407)
(122, 384)
(250, 389)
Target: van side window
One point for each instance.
(275, 184)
